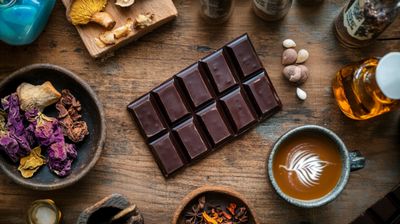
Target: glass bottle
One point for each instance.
(310, 2)
(271, 10)
(362, 21)
(44, 212)
(21, 21)
(368, 88)
(216, 11)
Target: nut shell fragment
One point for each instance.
(289, 43)
(305, 72)
(292, 73)
(289, 56)
(302, 56)
(301, 94)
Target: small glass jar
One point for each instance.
(44, 212)
(216, 11)
(362, 21)
(21, 21)
(271, 10)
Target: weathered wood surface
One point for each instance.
(127, 166)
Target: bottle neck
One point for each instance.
(7, 3)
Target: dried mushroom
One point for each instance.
(110, 37)
(40, 96)
(144, 20)
(82, 12)
(124, 3)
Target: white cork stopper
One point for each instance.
(388, 75)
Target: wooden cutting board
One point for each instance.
(163, 10)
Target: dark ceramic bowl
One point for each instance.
(92, 112)
(216, 195)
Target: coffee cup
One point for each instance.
(309, 166)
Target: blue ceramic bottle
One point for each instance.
(21, 21)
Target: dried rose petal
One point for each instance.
(49, 133)
(70, 118)
(78, 131)
(61, 156)
(15, 129)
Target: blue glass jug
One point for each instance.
(21, 21)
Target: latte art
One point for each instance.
(306, 164)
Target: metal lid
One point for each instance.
(388, 75)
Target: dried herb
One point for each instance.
(201, 213)
(15, 141)
(69, 109)
(28, 165)
(49, 134)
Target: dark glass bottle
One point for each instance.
(362, 21)
(216, 11)
(271, 10)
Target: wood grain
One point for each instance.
(127, 166)
(163, 10)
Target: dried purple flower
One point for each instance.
(45, 129)
(61, 156)
(8, 145)
(48, 133)
(15, 129)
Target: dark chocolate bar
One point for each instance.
(384, 211)
(205, 105)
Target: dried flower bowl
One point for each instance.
(217, 195)
(92, 111)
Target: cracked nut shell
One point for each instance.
(289, 56)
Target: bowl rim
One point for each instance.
(209, 188)
(66, 182)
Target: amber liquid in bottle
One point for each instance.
(357, 92)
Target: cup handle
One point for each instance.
(357, 161)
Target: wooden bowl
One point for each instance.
(214, 195)
(92, 112)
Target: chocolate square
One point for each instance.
(385, 209)
(245, 56)
(221, 74)
(171, 101)
(195, 85)
(194, 144)
(147, 116)
(261, 92)
(167, 155)
(396, 194)
(364, 219)
(216, 125)
(239, 110)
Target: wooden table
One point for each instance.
(126, 165)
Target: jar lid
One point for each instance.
(388, 75)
